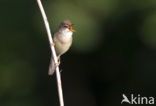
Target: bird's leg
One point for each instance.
(59, 60)
(58, 63)
(52, 44)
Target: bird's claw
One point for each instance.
(57, 64)
(52, 44)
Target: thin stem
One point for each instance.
(58, 76)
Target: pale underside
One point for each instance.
(62, 41)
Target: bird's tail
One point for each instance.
(51, 67)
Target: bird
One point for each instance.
(62, 41)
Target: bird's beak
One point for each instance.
(70, 28)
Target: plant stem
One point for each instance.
(58, 76)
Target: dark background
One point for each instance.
(113, 52)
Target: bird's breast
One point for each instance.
(62, 42)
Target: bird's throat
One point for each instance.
(67, 34)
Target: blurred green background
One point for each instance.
(113, 52)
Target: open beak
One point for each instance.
(70, 28)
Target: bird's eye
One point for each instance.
(66, 26)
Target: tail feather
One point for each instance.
(51, 67)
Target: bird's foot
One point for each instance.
(52, 44)
(57, 64)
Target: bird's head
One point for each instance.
(66, 24)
